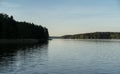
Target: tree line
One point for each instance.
(95, 35)
(12, 29)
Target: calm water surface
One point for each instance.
(61, 56)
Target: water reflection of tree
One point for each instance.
(17, 57)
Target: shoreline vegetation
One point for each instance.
(21, 41)
(15, 32)
(94, 35)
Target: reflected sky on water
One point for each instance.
(62, 56)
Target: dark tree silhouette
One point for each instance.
(12, 29)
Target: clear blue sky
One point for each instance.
(66, 16)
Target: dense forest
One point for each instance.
(95, 35)
(12, 29)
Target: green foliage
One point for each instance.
(11, 29)
(95, 35)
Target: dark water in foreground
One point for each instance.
(63, 57)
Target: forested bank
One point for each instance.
(95, 35)
(12, 29)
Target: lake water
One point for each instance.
(63, 56)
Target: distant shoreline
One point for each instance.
(94, 35)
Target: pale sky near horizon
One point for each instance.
(63, 17)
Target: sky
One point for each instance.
(63, 17)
